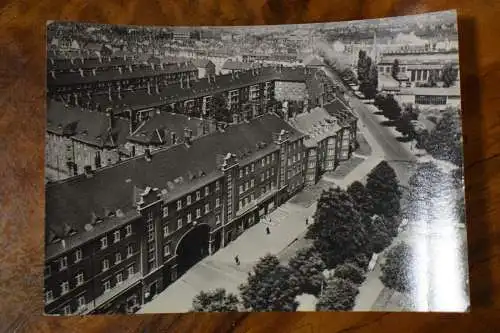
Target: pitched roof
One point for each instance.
(201, 63)
(199, 88)
(89, 127)
(155, 129)
(317, 124)
(236, 65)
(114, 74)
(88, 63)
(315, 62)
(76, 201)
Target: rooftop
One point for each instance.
(89, 127)
(451, 91)
(237, 65)
(75, 202)
(317, 124)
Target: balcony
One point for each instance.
(110, 294)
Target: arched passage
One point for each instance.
(192, 247)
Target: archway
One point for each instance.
(192, 247)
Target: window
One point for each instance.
(246, 171)
(128, 230)
(217, 203)
(104, 243)
(252, 197)
(150, 227)
(188, 199)
(150, 216)
(64, 287)
(105, 265)
(268, 159)
(117, 236)
(130, 251)
(241, 173)
(119, 278)
(189, 218)
(49, 297)
(179, 205)
(253, 167)
(67, 310)
(198, 213)
(166, 232)
(198, 195)
(262, 176)
(179, 223)
(118, 257)
(81, 302)
(217, 219)
(241, 189)
(252, 183)
(272, 157)
(217, 185)
(165, 211)
(79, 279)
(166, 250)
(207, 191)
(78, 255)
(151, 236)
(263, 162)
(107, 285)
(63, 263)
(130, 270)
(207, 208)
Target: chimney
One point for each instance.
(120, 70)
(232, 74)
(147, 155)
(63, 243)
(157, 88)
(72, 61)
(100, 58)
(119, 92)
(87, 170)
(187, 82)
(152, 66)
(173, 136)
(130, 68)
(81, 72)
(75, 95)
(53, 74)
(111, 118)
(109, 94)
(93, 71)
(149, 88)
(182, 83)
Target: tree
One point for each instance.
(360, 260)
(337, 231)
(362, 66)
(217, 300)
(380, 231)
(361, 197)
(449, 75)
(270, 287)
(395, 69)
(339, 295)
(220, 109)
(350, 272)
(369, 84)
(433, 78)
(383, 186)
(388, 106)
(405, 123)
(397, 268)
(444, 142)
(308, 267)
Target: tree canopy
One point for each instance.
(337, 231)
(395, 69)
(397, 268)
(381, 232)
(383, 186)
(361, 197)
(388, 106)
(220, 109)
(308, 267)
(217, 300)
(339, 295)
(270, 287)
(350, 272)
(449, 75)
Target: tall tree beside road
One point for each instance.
(350, 272)
(362, 66)
(368, 86)
(337, 231)
(217, 300)
(444, 142)
(395, 69)
(308, 267)
(383, 186)
(361, 197)
(388, 106)
(397, 268)
(380, 234)
(220, 109)
(405, 123)
(449, 75)
(270, 287)
(339, 295)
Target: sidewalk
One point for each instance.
(286, 224)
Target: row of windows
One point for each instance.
(430, 100)
(118, 258)
(189, 217)
(78, 254)
(189, 199)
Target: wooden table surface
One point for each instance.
(22, 120)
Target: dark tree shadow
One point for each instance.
(388, 123)
(403, 138)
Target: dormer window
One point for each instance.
(63, 263)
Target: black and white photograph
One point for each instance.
(302, 167)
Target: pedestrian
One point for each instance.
(268, 231)
(237, 260)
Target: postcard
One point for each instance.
(306, 167)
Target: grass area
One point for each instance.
(345, 167)
(364, 147)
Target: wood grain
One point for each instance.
(22, 117)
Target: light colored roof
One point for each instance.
(451, 91)
(317, 124)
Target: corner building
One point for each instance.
(118, 236)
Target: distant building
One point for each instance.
(232, 66)
(205, 67)
(439, 98)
